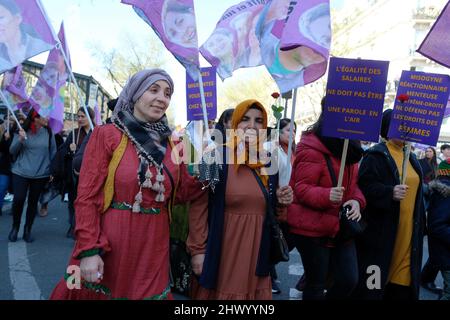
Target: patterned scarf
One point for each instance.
(150, 139)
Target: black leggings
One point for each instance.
(21, 186)
(334, 269)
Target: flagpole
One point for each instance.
(7, 122)
(10, 109)
(343, 161)
(72, 76)
(59, 47)
(285, 107)
(406, 154)
(291, 132)
(72, 112)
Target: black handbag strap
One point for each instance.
(261, 185)
(266, 195)
(331, 170)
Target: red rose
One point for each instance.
(275, 95)
(403, 98)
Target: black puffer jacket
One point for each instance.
(5, 158)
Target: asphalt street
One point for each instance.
(30, 271)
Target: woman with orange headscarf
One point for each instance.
(229, 234)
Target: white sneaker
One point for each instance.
(66, 197)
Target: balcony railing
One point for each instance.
(426, 13)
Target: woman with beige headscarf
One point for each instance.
(229, 232)
(130, 178)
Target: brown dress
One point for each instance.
(245, 208)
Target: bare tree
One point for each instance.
(135, 55)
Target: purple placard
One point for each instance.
(22, 22)
(175, 24)
(420, 118)
(194, 102)
(436, 44)
(355, 98)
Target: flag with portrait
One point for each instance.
(47, 97)
(295, 39)
(233, 43)
(24, 32)
(14, 87)
(174, 23)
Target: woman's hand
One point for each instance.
(400, 192)
(285, 195)
(7, 136)
(355, 211)
(73, 147)
(337, 194)
(22, 135)
(92, 269)
(197, 263)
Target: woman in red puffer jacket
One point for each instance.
(314, 216)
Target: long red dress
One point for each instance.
(135, 246)
(245, 209)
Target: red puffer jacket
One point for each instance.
(312, 213)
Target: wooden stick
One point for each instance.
(343, 160)
(7, 121)
(291, 134)
(407, 152)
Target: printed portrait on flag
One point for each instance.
(42, 97)
(311, 26)
(14, 87)
(178, 21)
(233, 44)
(314, 24)
(47, 97)
(22, 34)
(174, 23)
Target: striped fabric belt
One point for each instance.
(127, 206)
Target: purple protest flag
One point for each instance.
(47, 97)
(233, 44)
(295, 39)
(174, 23)
(24, 32)
(14, 87)
(436, 44)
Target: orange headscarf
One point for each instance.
(239, 113)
